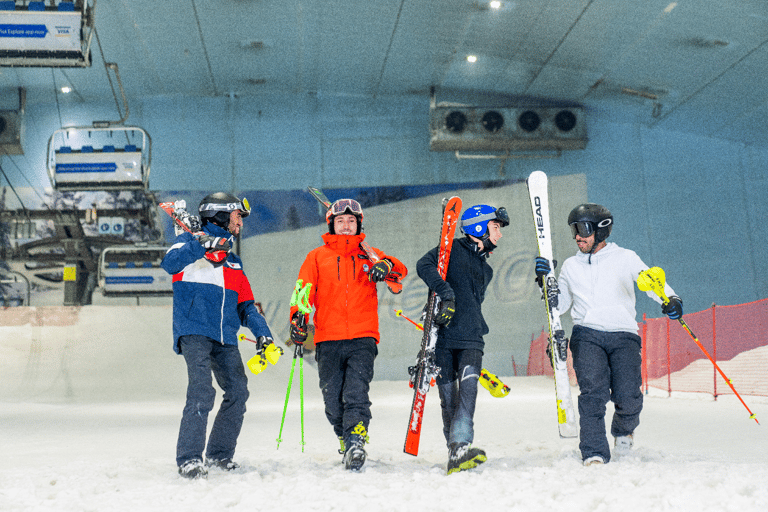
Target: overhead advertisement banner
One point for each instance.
(40, 30)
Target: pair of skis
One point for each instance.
(558, 343)
(426, 370)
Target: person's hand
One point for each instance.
(447, 309)
(298, 328)
(262, 342)
(674, 308)
(542, 269)
(214, 243)
(380, 271)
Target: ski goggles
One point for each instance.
(502, 216)
(343, 205)
(243, 206)
(583, 229)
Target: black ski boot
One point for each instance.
(463, 457)
(354, 457)
(193, 469)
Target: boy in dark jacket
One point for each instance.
(212, 298)
(459, 349)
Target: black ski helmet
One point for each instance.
(344, 206)
(590, 218)
(216, 208)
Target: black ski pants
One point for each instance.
(345, 368)
(608, 367)
(457, 385)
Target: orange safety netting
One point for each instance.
(736, 338)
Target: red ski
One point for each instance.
(425, 371)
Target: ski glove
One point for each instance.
(542, 269)
(263, 342)
(674, 308)
(214, 243)
(447, 309)
(298, 328)
(379, 271)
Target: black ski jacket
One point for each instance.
(466, 282)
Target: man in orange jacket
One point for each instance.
(339, 280)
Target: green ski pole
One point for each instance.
(301, 391)
(287, 395)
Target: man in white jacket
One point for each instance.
(598, 285)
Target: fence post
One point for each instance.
(669, 363)
(714, 349)
(644, 353)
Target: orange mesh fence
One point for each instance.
(736, 337)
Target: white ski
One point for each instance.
(558, 343)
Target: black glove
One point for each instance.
(674, 308)
(542, 269)
(214, 243)
(263, 342)
(298, 328)
(447, 309)
(379, 271)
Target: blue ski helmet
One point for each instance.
(590, 218)
(475, 220)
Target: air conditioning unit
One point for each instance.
(11, 132)
(507, 129)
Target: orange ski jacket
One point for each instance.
(345, 301)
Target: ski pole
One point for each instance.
(300, 350)
(399, 312)
(287, 395)
(654, 279)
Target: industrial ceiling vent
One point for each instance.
(507, 129)
(11, 132)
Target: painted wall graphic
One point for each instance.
(404, 221)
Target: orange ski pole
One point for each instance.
(654, 279)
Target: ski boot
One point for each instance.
(193, 469)
(623, 444)
(224, 464)
(463, 457)
(354, 456)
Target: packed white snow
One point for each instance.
(691, 453)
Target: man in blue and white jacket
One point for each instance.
(212, 298)
(598, 285)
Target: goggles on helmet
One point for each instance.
(583, 229)
(243, 206)
(342, 205)
(502, 216)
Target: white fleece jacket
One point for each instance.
(601, 292)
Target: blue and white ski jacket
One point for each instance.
(210, 299)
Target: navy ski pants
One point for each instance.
(203, 357)
(345, 369)
(608, 367)
(457, 385)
